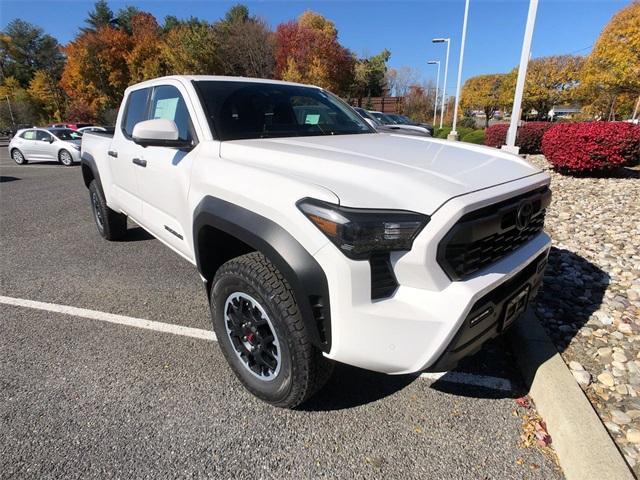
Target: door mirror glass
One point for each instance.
(159, 132)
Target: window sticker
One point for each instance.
(312, 118)
(166, 108)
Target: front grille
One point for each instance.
(482, 237)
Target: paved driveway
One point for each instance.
(84, 397)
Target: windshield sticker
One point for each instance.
(166, 108)
(312, 119)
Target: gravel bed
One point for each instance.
(590, 302)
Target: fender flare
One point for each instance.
(87, 161)
(301, 270)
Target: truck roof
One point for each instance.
(218, 78)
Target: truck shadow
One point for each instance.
(573, 290)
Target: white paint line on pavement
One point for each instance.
(494, 383)
(111, 318)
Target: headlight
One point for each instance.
(359, 232)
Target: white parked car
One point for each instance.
(318, 238)
(40, 144)
(92, 128)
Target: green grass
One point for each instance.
(475, 136)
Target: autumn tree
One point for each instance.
(124, 18)
(610, 78)
(482, 92)
(402, 79)
(97, 72)
(191, 47)
(144, 61)
(25, 49)
(307, 50)
(370, 75)
(46, 96)
(246, 45)
(550, 81)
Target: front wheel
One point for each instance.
(111, 224)
(65, 158)
(262, 335)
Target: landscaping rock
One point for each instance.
(590, 300)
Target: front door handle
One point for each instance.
(140, 162)
(112, 153)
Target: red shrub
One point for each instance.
(591, 146)
(528, 138)
(496, 135)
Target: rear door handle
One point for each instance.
(140, 162)
(112, 153)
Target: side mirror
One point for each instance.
(159, 132)
(371, 123)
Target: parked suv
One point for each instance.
(317, 238)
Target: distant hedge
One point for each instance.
(528, 138)
(476, 136)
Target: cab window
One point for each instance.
(167, 102)
(135, 110)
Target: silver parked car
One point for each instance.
(61, 144)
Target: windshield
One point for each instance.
(66, 133)
(244, 110)
(382, 118)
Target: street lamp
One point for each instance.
(435, 98)
(454, 134)
(443, 107)
(522, 75)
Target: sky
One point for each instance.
(494, 33)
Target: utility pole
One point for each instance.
(443, 106)
(454, 134)
(522, 75)
(435, 99)
(13, 122)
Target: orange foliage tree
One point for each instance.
(307, 50)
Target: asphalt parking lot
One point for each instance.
(86, 398)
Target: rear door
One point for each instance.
(28, 145)
(164, 175)
(125, 154)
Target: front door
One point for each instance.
(164, 174)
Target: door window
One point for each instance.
(167, 102)
(43, 136)
(29, 135)
(135, 110)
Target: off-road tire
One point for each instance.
(111, 225)
(303, 370)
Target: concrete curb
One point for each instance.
(584, 448)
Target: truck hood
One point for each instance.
(383, 170)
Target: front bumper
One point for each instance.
(422, 329)
(493, 313)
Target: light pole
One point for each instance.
(435, 98)
(522, 75)
(443, 107)
(454, 134)
(13, 122)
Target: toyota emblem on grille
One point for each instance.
(523, 216)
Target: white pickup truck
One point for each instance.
(319, 239)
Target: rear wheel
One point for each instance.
(111, 224)
(262, 335)
(65, 158)
(18, 157)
